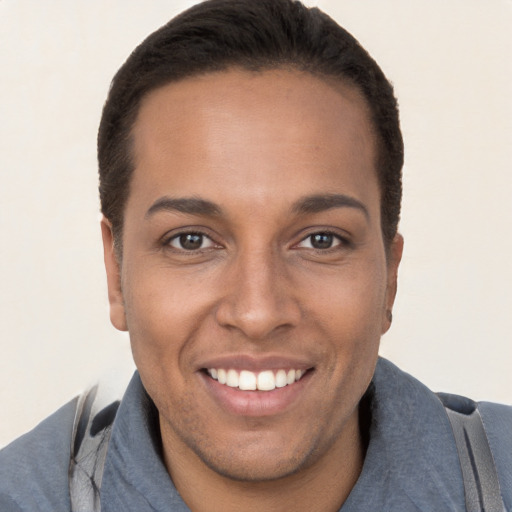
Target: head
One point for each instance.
(220, 34)
(250, 159)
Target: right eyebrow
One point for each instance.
(188, 205)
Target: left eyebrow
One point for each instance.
(188, 205)
(322, 202)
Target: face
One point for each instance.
(254, 281)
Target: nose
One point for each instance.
(259, 299)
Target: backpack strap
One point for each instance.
(89, 443)
(481, 484)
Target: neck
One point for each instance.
(323, 486)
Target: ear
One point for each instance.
(115, 294)
(393, 262)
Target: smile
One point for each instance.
(246, 380)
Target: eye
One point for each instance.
(191, 242)
(321, 241)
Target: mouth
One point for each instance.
(247, 386)
(246, 380)
(256, 394)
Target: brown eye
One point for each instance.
(191, 242)
(320, 241)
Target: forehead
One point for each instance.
(280, 130)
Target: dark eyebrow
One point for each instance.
(321, 202)
(189, 205)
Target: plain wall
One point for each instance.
(451, 64)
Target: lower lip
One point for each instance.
(255, 403)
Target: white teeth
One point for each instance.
(221, 376)
(281, 381)
(247, 381)
(266, 381)
(232, 378)
(250, 381)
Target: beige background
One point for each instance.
(451, 63)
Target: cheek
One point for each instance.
(161, 315)
(161, 323)
(348, 313)
(352, 298)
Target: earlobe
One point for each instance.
(112, 267)
(393, 262)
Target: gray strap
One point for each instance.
(89, 444)
(481, 484)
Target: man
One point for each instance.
(250, 180)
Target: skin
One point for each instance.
(254, 146)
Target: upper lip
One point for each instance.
(256, 363)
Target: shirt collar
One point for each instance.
(411, 462)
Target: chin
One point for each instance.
(257, 457)
(265, 468)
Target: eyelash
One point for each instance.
(168, 242)
(338, 241)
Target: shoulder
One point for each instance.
(34, 467)
(421, 411)
(497, 419)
